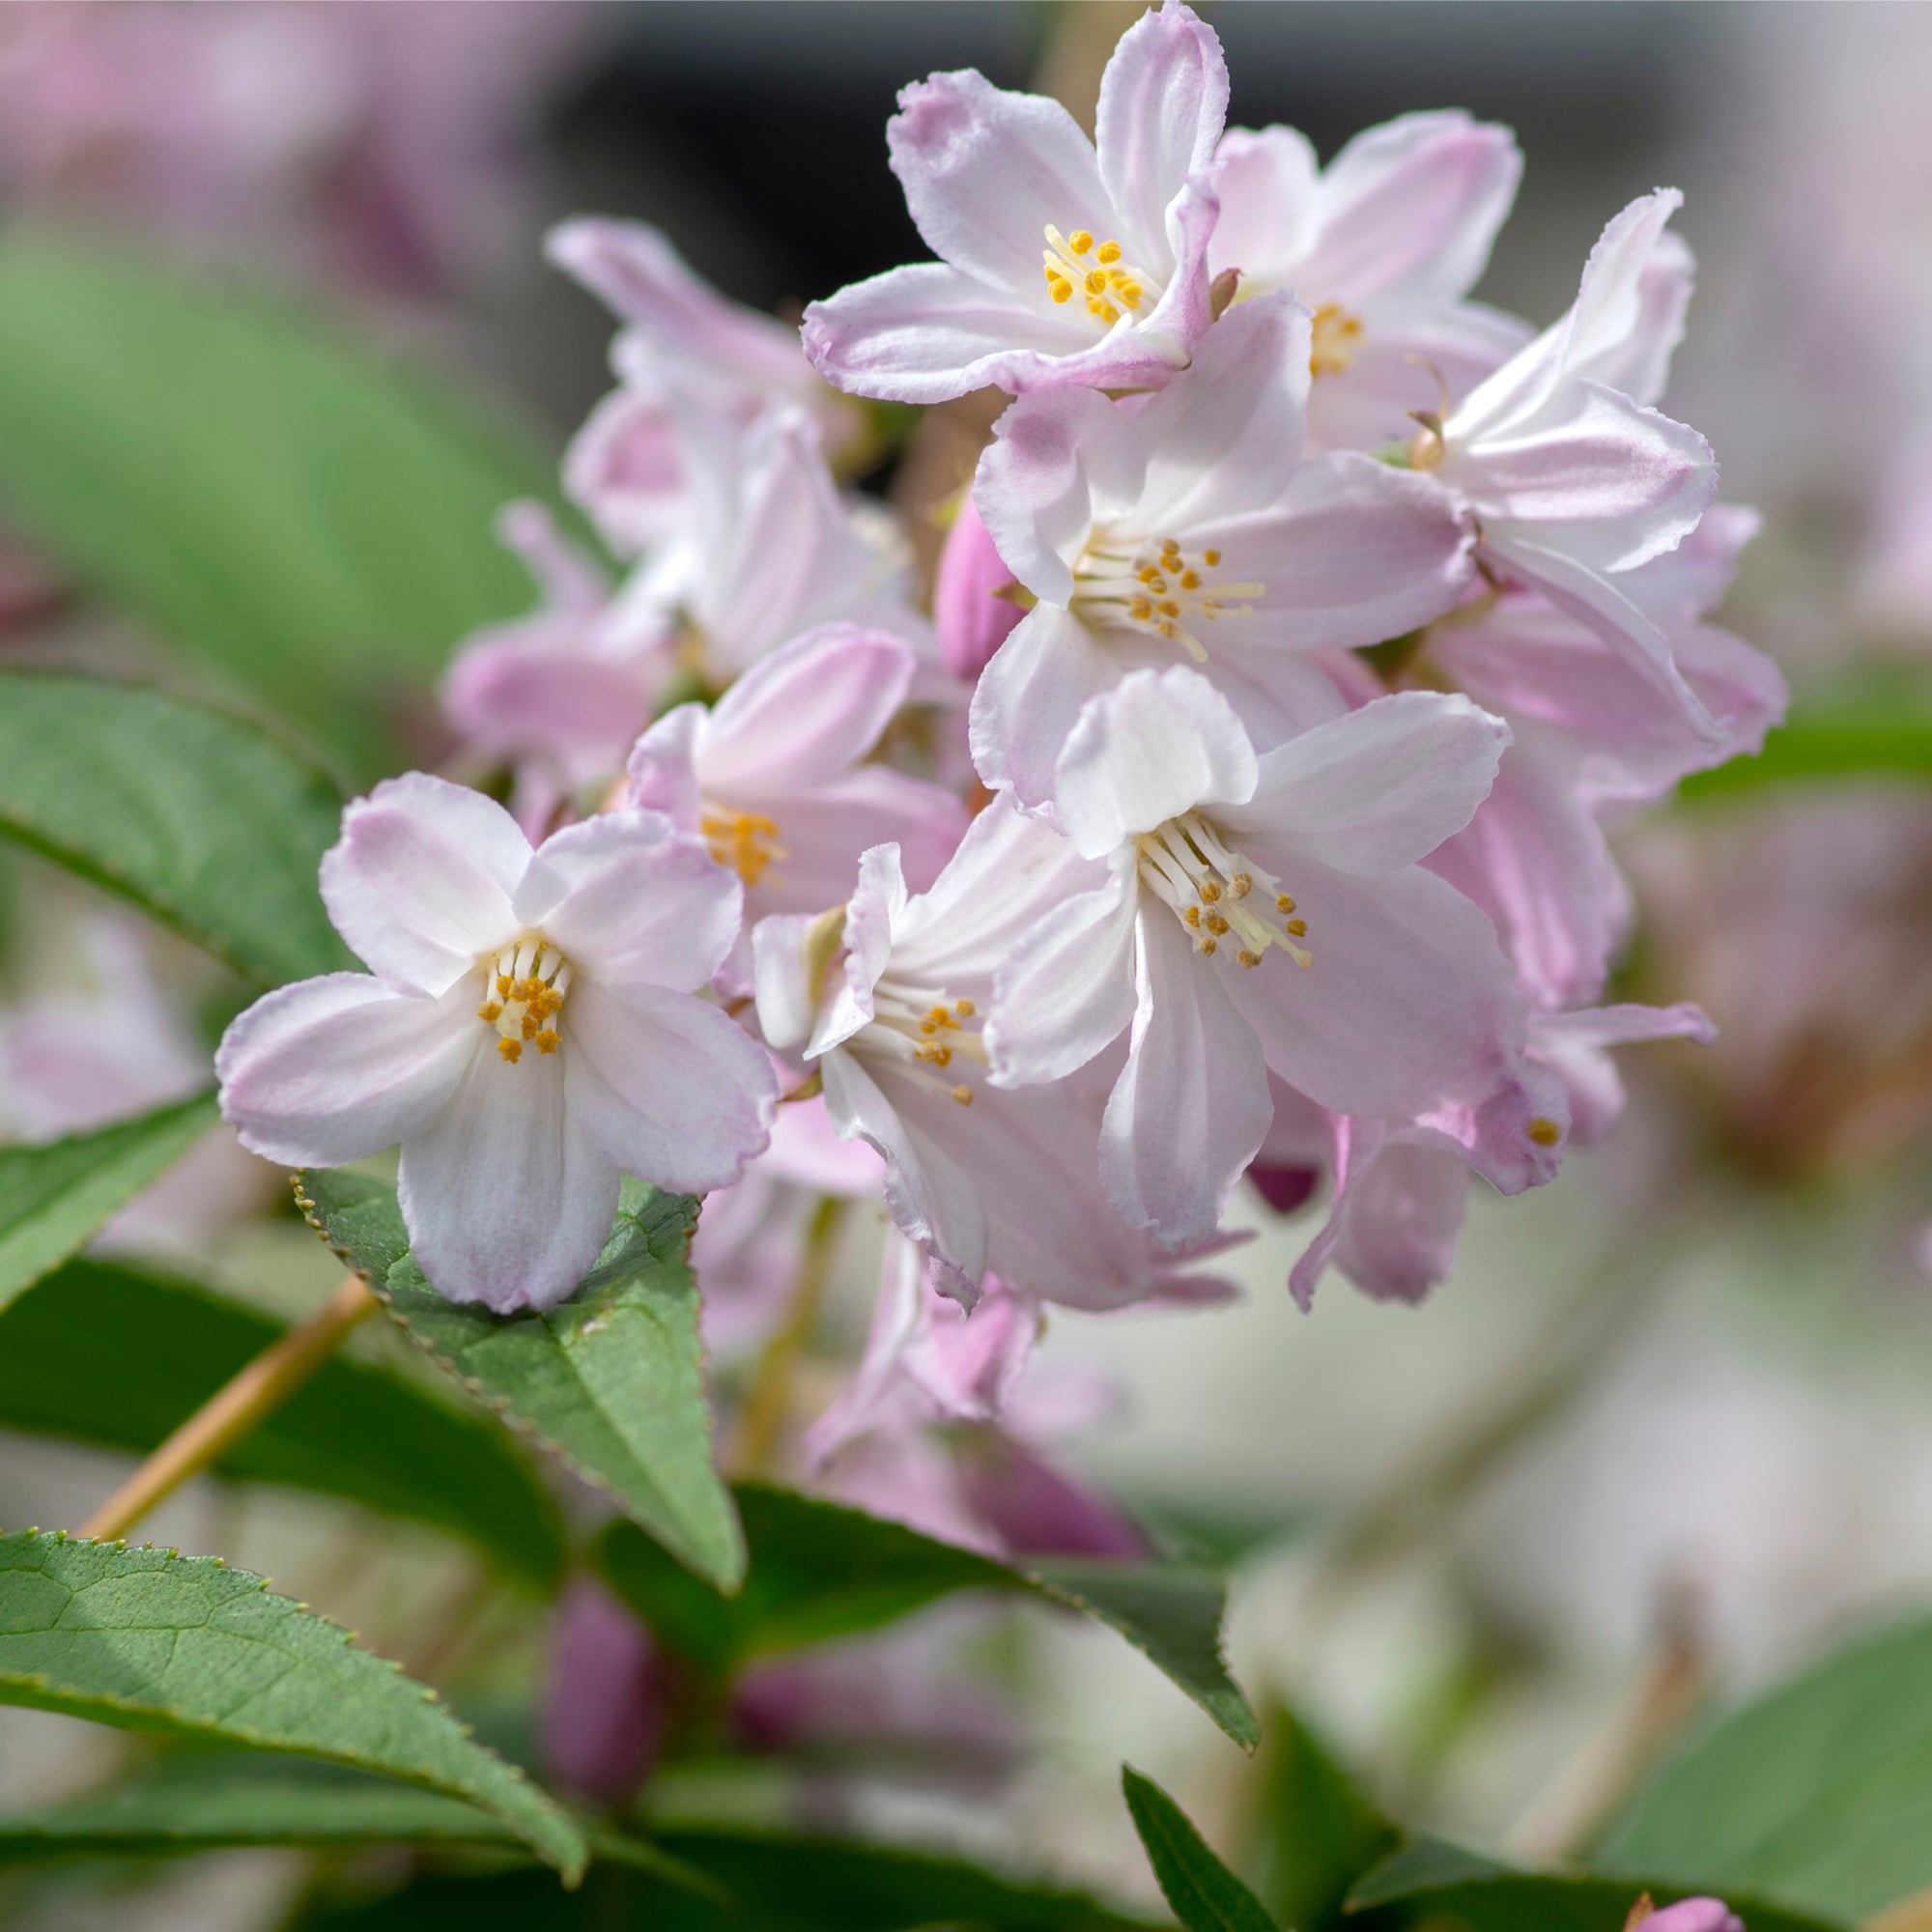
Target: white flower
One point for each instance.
(529, 1033)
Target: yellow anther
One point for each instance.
(529, 1026)
(1215, 924)
(1191, 916)
(489, 1011)
(1063, 290)
(1168, 609)
(1131, 293)
(1190, 579)
(1080, 242)
(548, 1041)
(512, 1050)
(1141, 610)
(1096, 282)
(503, 984)
(941, 1016)
(1110, 251)
(965, 1009)
(1210, 558)
(1207, 946)
(1297, 927)
(929, 1027)
(1241, 884)
(1210, 890)
(1283, 904)
(963, 1095)
(1544, 1133)
(1248, 958)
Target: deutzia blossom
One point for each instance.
(550, 694)
(1061, 259)
(1384, 245)
(1388, 996)
(987, 1179)
(1399, 1185)
(770, 778)
(766, 548)
(1573, 480)
(1188, 529)
(680, 339)
(527, 1033)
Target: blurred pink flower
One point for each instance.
(972, 620)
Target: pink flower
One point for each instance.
(1688, 1914)
(550, 694)
(1061, 261)
(1573, 480)
(770, 778)
(972, 620)
(680, 339)
(529, 1033)
(1188, 528)
(988, 1179)
(765, 549)
(1203, 861)
(1400, 1186)
(1383, 245)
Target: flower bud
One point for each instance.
(972, 618)
(603, 1715)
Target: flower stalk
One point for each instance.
(233, 1411)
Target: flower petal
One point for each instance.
(662, 767)
(1158, 744)
(420, 882)
(1163, 103)
(340, 1067)
(1410, 209)
(803, 714)
(925, 333)
(632, 901)
(1383, 786)
(1409, 1002)
(1067, 989)
(1059, 463)
(986, 171)
(507, 1199)
(1398, 1238)
(1265, 180)
(1028, 697)
(1191, 1106)
(669, 1087)
(1350, 553)
(824, 832)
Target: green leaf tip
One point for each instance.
(1204, 1894)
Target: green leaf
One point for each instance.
(151, 1641)
(192, 1802)
(778, 1883)
(1827, 739)
(204, 822)
(1206, 1896)
(610, 1381)
(1321, 1833)
(352, 1430)
(55, 1197)
(308, 518)
(1818, 1795)
(1445, 1889)
(820, 1571)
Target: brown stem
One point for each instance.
(233, 1411)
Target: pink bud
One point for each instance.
(1284, 1185)
(1692, 1915)
(603, 1718)
(972, 621)
(1036, 1510)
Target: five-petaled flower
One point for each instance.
(527, 1032)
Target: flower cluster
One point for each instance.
(1234, 803)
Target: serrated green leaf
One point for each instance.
(204, 822)
(1204, 1895)
(1321, 1833)
(193, 1801)
(610, 1381)
(820, 1571)
(55, 1197)
(778, 1883)
(1438, 1887)
(311, 519)
(151, 1641)
(352, 1430)
(1818, 1794)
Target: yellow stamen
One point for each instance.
(512, 1050)
(1544, 1133)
